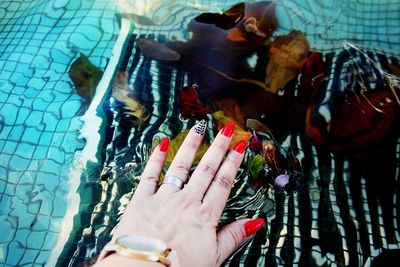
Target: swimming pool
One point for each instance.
(68, 166)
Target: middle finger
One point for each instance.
(183, 159)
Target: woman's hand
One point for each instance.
(186, 219)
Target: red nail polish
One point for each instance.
(164, 144)
(240, 147)
(228, 129)
(251, 227)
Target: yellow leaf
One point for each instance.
(177, 142)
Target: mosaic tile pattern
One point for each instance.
(40, 110)
(39, 115)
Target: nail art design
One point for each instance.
(201, 127)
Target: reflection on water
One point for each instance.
(313, 86)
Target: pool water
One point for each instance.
(69, 164)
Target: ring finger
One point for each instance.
(183, 159)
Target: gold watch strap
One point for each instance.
(113, 247)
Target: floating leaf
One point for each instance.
(287, 56)
(177, 142)
(255, 164)
(226, 20)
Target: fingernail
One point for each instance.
(164, 144)
(240, 147)
(228, 129)
(200, 127)
(251, 227)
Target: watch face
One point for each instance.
(141, 243)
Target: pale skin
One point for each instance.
(186, 219)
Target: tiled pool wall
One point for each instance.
(40, 110)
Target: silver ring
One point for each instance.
(173, 180)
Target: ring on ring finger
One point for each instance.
(173, 180)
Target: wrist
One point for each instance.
(122, 261)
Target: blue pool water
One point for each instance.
(54, 208)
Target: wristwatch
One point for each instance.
(138, 247)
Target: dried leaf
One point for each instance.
(190, 105)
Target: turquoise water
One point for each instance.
(54, 208)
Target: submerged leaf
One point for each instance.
(131, 105)
(85, 77)
(156, 50)
(222, 119)
(190, 105)
(255, 164)
(177, 142)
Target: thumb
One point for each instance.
(232, 236)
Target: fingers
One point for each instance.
(210, 163)
(150, 176)
(183, 159)
(232, 236)
(218, 192)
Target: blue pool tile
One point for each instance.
(41, 223)
(35, 118)
(39, 104)
(60, 207)
(23, 114)
(16, 132)
(9, 112)
(46, 138)
(40, 152)
(56, 154)
(29, 258)
(50, 121)
(31, 134)
(18, 163)
(25, 150)
(51, 166)
(15, 253)
(43, 256)
(10, 147)
(4, 133)
(35, 240)
(63, 125)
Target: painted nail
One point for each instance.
(251, 227)
(228, 129)
(164, 144)
(240, 147)
(200, 127)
